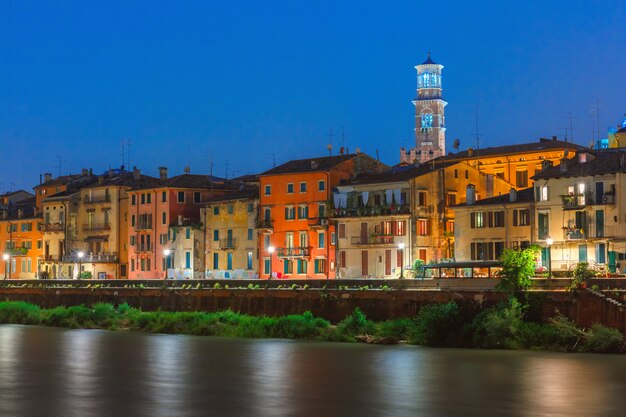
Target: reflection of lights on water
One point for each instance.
(399, 376)
(8, 353)
(80, 354)
(167, 355)
(270, 379)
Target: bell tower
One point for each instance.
(430, 137)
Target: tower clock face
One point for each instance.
(427, 120)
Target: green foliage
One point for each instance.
(356, 324)
(581, 274)
(19, 312)
(418, 268)
(398, 329)
(601, 339)
(518, 267)
(86, 275)
(435, 324)
(500, 327)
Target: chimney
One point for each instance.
(90, 171)
(20, 213)
(512, 195)
(187, 170)
(47, 177)
(136, 174)
(163, 173)
(470, 152)
(470, 194)
(563, 165)
(85, 172)
(554, 138)
(100, 179)
(545, 164)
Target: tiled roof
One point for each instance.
(309, 165)
(523, 196)
(598, 162)
(125, 178)
(198, 181)
(61, 180)
(244, 194)
(27, 207)
(400, 173)
(542, 145)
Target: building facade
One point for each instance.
(20, 238)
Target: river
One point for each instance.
(58, 372)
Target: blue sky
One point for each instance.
(252, 81)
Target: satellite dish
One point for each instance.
(456, 144)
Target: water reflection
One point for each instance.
(54, 372)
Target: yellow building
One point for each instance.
(20, 238)
(231, 235)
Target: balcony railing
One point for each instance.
(52, 258)
(372, 211)
(264, 224)
(103, 257)
(144, 248)
(97, 199)
(17, 251)
(299, 252)
(372, 240)
(143, 226)
(92, 227)
(577, 201)
(52, 227)
(227, 244)
(573, 234)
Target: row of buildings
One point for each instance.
(341, 216)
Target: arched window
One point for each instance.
(427, 120)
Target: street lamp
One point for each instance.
(271, 251)
(549, 242)
(80, 263)
(166, 253)
(401, 248)
(6, 257)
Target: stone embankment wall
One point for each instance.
(582, 307)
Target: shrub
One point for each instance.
(500, 327)
(518, 268)
(398, 329)
(74, 317)
(581, 274)
(435, 324)
(104, 315)
(356, 324)
(602, 339)
(19, 312)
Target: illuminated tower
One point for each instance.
(430, 136)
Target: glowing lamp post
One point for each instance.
(401, 248)
(6, 257)
(549, 242)
(271, 251)
(80, 255)
(167, 253)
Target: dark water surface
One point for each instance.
(56, 372)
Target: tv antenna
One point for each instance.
(61, 160)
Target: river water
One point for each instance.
(58, 372)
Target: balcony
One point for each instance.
(374, 240)
(146, 247)
(265, 225)
(299, 252)
(573, 233)
(103, 257)
(370, 211)
(577, 201)
(52, 258)
(227, 244)
(94, 227)
(97, 199)
(143, 226)
(319, 223)
(52, 227)
(17, 251)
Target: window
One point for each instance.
(521, 217)
(250, 207)
(320, 266)
(133, 201)
(216, 210)
(187, 259)
(143, 201)
(216, 235)
(164, 196)
(450, 199)
(39, 244)
(427, 120)
(498, 219)
(321, 211)
(456, 173)
(231, 208)
(149, 198)
(543, 225)
(342, 259)
(521, 178)
(266, 266)
(132, 220)
(342, 230)
(288, 267)
(477, 220)
(333, 238)
(268, 190)
(421, 198)
(541, 193)
(216, 260)
(290, 213)
(267, 214)
(196, 197)
(266, 241)
(400, 228)
(422, 227)
(163, 238)
(164, 218)
(180, 197)
(302, 266)
(321, 240)
(132, 241)
(229, 260)
(290, 188)
(132, 265)
(250, 234)
(143, 264)
(188, 233)
(450, 226)
(303, 187)
(466, 174)
(303, 212)
(249, 260)
(321, 185)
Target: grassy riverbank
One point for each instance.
(448, 325)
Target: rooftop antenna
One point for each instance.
(211, 163)
(226, 162)
(571, 126)
(343, 138)
(330, 142)
(189, 156)
(128, 151)
(123, 156)
(61, 160)
(477, 134)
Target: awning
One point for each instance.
(96, 238)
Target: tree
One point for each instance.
(518, 267)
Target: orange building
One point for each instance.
(20, 239)
(296, 239)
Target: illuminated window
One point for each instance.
(427, 120)
(422, 227)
